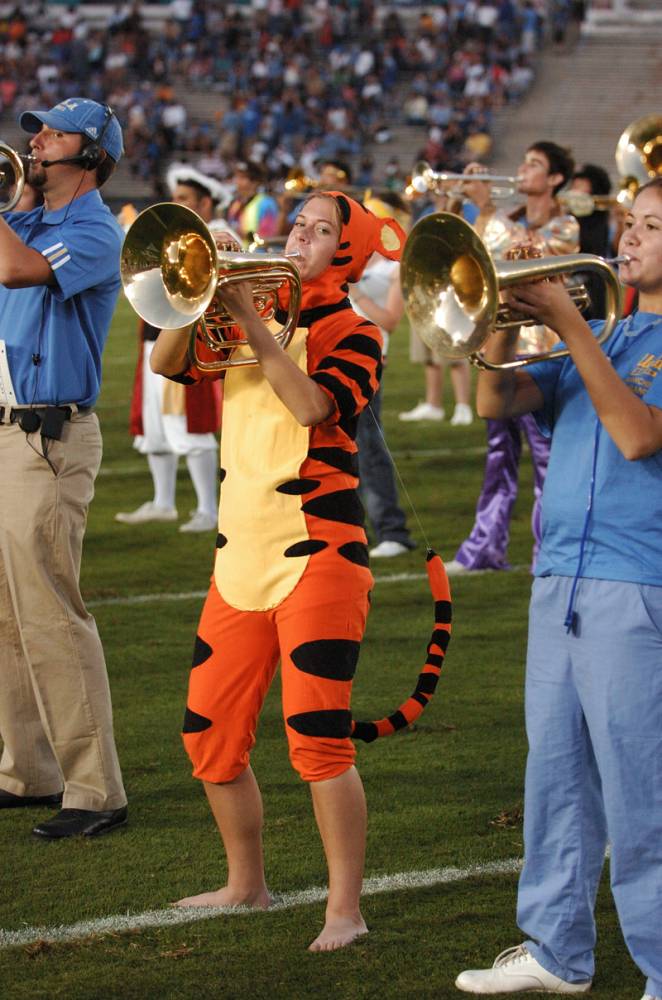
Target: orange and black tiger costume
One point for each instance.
(291, 580)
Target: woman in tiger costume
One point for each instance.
(291, 581)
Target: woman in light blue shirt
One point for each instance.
(594, 662)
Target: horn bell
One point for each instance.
(13, 168)
(639, 149)
(169, 266)
(449, 284)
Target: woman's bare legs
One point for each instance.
(237, 809)
(340, 811)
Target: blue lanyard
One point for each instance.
(570, 621)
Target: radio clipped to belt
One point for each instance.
(48, 420)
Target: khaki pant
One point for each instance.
(55, 711)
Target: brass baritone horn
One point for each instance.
(13, 168)
(173, 275)
(451, 289)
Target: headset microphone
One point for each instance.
(66, 159)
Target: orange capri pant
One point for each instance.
(316, 634)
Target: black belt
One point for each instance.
(31, 418)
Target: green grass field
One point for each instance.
(446, 794)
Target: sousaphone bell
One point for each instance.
(451, 289)
(173, 275)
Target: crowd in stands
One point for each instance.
(296, 82)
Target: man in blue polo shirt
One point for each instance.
(59, 281)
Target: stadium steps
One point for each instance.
(583, 99)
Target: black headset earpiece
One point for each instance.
(90, 155)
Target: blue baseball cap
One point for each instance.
(79, 114)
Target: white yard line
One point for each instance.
(173, 915)
(195, 595)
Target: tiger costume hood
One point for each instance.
(362, 235)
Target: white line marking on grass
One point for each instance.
(194, 595)
(173, 916)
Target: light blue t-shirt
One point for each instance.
(65, 325)
(624, 539)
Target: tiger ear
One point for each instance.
(392, 239)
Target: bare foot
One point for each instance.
(338, 933)
(259, 899)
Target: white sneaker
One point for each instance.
(147, 512)
(455, 568)
(462, 415)
(387, 549)
(423, 411)
(514, 971)
(201, 521)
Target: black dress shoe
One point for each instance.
(10, 801)
(81, 823)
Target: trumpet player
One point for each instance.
(539, 223)
(593, 678)
(59, 280)
(291, 578)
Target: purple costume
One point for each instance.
(487, 545)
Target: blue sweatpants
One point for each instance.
(594, 773)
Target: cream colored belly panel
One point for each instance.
(262, 446)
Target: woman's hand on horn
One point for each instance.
(237, 297)
(546, 301)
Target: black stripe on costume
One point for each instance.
(345, 209)
(435, 659)
(343, 506)
(442, 612)
(337, 458)
(427, 683)
(333, 659)
(331, 723)
(309, 316)
(348, 424)
(398, 720)
(355, 552)
(182, 379)
(420, 698)
(357, 373)
(194, 723)
(306, 548)
(344, 245)
(343, 396)
(366, 731)
(297, 487)
(440, 638)
(341, 261)
(201, 651)
(361, 344)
